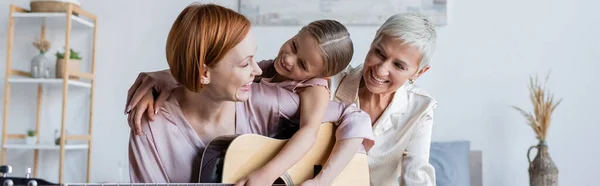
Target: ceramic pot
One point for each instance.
(73, 66)
(30, 140)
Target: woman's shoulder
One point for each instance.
(420, 96)
(351, 75)
(353, 69)
(349, 70)
(165, 116)
(415, 89)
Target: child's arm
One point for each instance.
(352, 124)
(343, 151)
(313, 104)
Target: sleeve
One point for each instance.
(416, 166)
(351, 122)
(144, 163)
(309, 83)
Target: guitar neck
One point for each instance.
(154, 184)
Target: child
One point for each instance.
(321, 49)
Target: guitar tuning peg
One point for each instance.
(32, 183)
(5, 170)
(8, 182)
(28, 174)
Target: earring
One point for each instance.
(411, 81)
(204, 81)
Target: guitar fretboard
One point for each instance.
(154, 184)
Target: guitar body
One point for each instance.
(228, 159)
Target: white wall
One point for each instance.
(481, 67)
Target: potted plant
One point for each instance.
(542, 170)
(31, 137)
(73, 66)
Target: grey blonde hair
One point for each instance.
(336, 46)
(414, 29)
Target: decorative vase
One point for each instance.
(39, 66)
(542, 170)
(30, 140)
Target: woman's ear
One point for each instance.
(205, 76)
(419, 73)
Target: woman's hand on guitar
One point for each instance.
(141, 98)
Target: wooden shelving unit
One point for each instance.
(15, 76)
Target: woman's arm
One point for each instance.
(416, 166)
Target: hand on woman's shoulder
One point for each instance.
(165, 116)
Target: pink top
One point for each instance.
(168, 149)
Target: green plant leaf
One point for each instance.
(31, 133)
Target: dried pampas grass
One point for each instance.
(42, 45)
(543, 106)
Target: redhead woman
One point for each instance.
(210, 53)
(384, 87)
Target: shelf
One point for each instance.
(53, 15)
(76, 83)
(45, 146)
(83, 21)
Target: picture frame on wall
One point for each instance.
(347, 12)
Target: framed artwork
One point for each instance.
(348, 12)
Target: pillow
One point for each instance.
(451, 162)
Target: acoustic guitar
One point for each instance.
(227, 159)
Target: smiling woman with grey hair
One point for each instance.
(383, 86)
(402, 113)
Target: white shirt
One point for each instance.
(404, 126)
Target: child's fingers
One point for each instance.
(139, 112)
(150, 112)
(132, 90)
(162, 97)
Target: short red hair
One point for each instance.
(200, 37)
